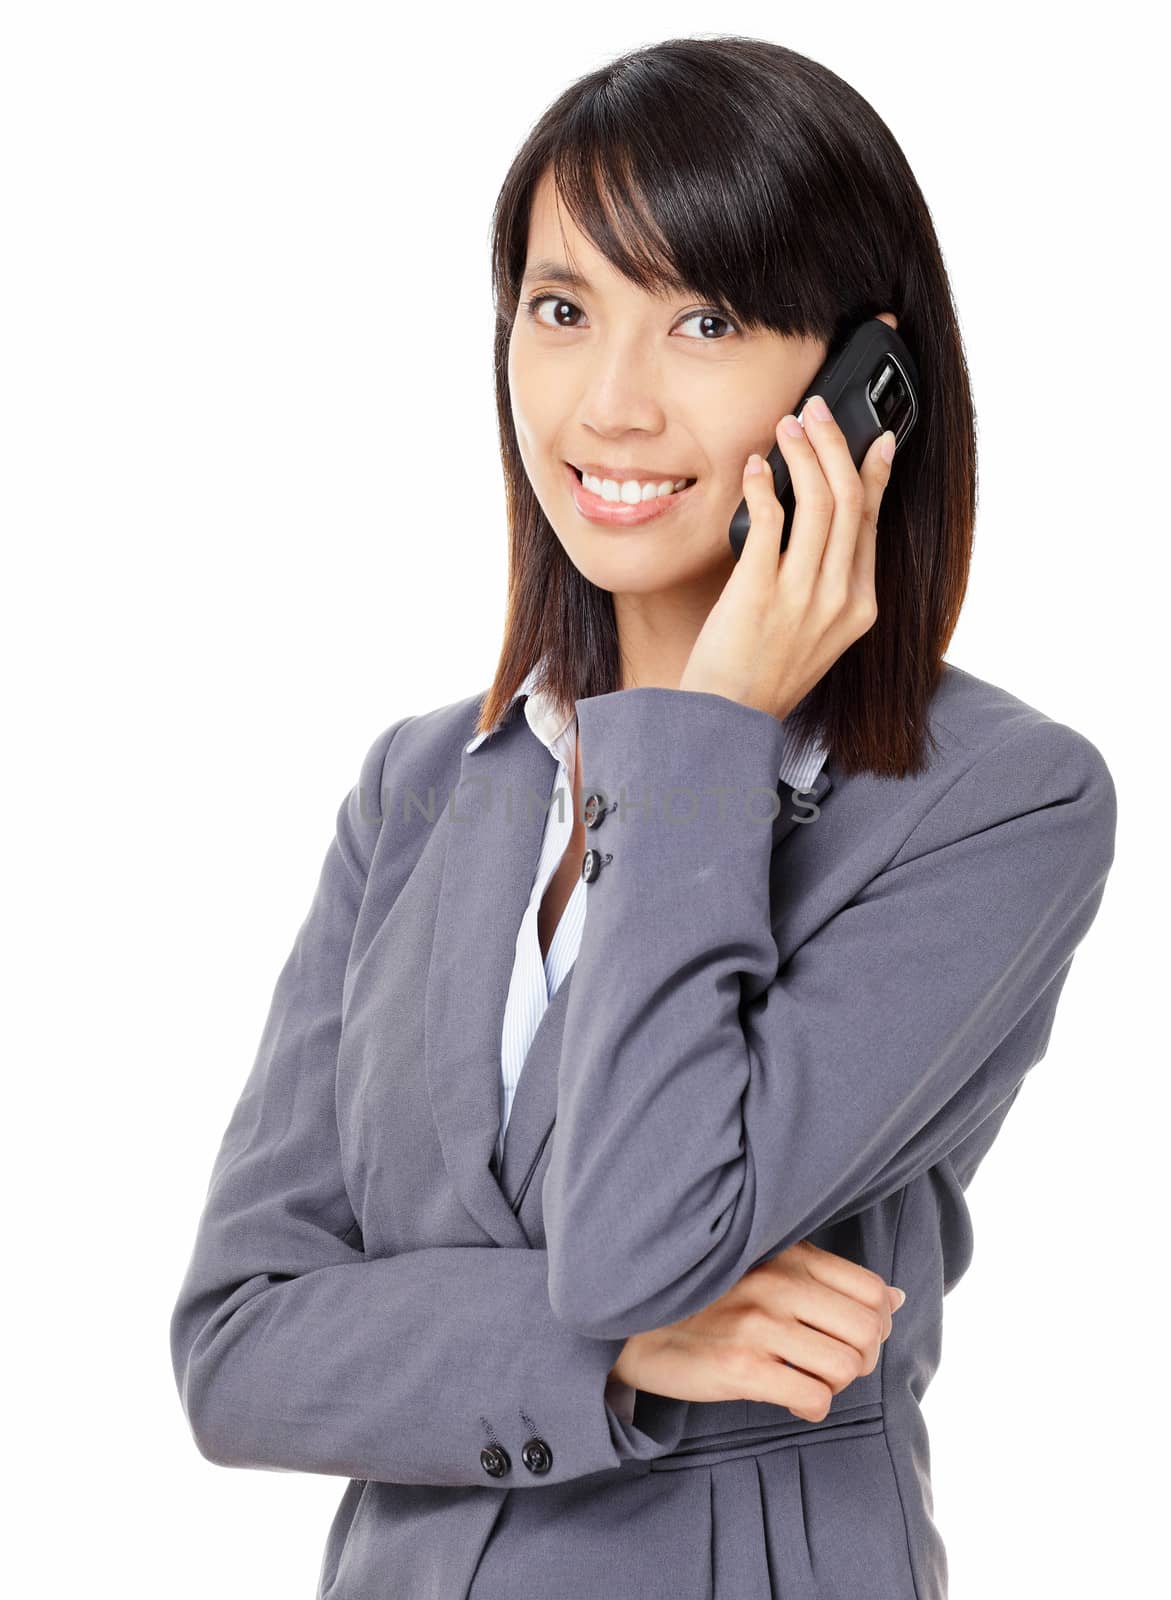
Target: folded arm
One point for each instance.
(713, 1108)
(294, 1351)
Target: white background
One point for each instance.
(254, 513)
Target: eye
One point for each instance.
(709, 317)
(533, 305)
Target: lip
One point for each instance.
(619, 474)
(617, 513)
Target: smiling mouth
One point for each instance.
(620, 513)
(688, 483)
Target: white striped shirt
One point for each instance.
(535, 980)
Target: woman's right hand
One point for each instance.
(824, 1315)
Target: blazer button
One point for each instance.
(592, 863)
(594, 808)
(494, 1460)
(537, 1455)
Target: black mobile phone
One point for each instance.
(870, 385)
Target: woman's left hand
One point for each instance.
(782, 621)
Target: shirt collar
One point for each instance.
(799, 766)
(539, 710)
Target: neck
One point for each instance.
(656, 632)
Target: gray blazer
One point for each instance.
(802, 1025)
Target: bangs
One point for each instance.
(680, 199)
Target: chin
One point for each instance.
(632, 566)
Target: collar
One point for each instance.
(543, 717)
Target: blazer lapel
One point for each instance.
(495, 819)
(534, 1105)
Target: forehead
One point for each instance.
(554, 236)
(559, 250)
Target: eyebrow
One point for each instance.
(556, 272)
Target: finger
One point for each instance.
(766, 521)
(848, 1276)
(875, 473)
(822, 1355)
(839, 1316)
(813, 501)
(776, 1382)
(849, 495)
(865, 1287)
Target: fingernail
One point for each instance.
(792, 426)
(886, 446)
(754, 464)
(817, 408)
(901, 1297)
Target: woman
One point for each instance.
(649, 1281)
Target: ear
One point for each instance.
(888, 317)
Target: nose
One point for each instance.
(622, 393)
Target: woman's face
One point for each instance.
(605, 375)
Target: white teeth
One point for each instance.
(631, 492)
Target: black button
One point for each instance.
(537, 1455)
(592, 863)
(594, 808)
(494, 1460)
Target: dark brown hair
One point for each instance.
(763, 182)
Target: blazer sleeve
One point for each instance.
(294, 1351)
(742, 1104)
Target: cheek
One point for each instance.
(534, 422)
(731, 427)
(532, 389)
(738, 435)
(745, 416)
(526, 444)
(518, 394)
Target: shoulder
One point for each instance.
(998, 757)
(971, 714)
(975, 721)
(422, 747)
(418, 754)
